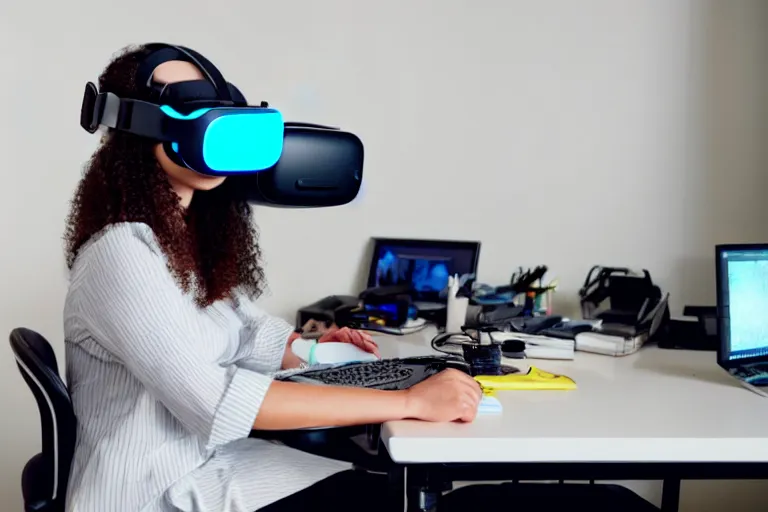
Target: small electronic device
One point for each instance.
(423, 265)
(513, 349)
(534, 325)
(329, 311)
(386, 306)
(495, 315)
(696, 330)
(312, 352)
(568, 329)
(742, 300)
(388, 374)
(618, 295)
(480, 349)
(646, 326)
(385, 309)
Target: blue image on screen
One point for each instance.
(748, 303)
(425, 269)
(424, 273)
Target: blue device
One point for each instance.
(207, 126)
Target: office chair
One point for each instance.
(44, 478)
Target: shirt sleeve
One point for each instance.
(263, 338)
(133, 308)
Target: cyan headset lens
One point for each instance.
(225, 141)
(244, 142)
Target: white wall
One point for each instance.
(558, 132)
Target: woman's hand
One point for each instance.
(450, 395)
(361, 340)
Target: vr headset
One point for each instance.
(207, 126)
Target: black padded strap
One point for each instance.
(135, 116)
(238, 97)
(211, 72)
(149, 64)
(165, 52)
(193, 90)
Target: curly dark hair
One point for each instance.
(212, 246)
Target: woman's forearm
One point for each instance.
(290, 405)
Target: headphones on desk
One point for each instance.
(208, 126)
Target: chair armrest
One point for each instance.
(338, 443)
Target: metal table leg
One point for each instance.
(396, 491)
(424, 487)
(421, 499)
(670, 495)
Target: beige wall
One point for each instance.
(558, 132)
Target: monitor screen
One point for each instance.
(743, 301)
(423, 264)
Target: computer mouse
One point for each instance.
(458, 364)
(312, 352)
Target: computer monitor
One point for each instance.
(424, 264)
(742, 303)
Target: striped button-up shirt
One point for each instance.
(166, 392)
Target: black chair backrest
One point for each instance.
(44, 480)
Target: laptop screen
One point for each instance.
(742, 301)
(423, 264)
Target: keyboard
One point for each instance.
(758, 371)
(387, 374)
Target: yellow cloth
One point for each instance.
(534, 379)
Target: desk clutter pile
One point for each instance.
(621, 311)
(484, 329)
(488, 331)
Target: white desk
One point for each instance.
(653, 406)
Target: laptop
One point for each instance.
(425, 265)
(742, 313)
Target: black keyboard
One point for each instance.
(757, 371)
(388, 374)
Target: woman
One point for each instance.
(169, 360)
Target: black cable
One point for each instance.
(439, 341)
(483, 359)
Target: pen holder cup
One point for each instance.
(483, 359)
